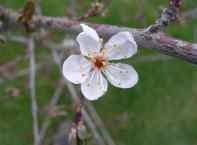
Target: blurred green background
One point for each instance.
(160, 110)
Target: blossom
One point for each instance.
(94, 66)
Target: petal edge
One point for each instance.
(76, 68)
(120, 46)
(95, 86)
(121, 75)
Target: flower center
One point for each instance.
(99, 62)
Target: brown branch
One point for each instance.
(157, 41)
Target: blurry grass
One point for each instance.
(160, 110)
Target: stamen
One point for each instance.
(99, 62)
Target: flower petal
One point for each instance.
(89, 41)
(88, 45)
(76, 69)
(121, 75)
(121, 45)
(95, 86)
(90, 31)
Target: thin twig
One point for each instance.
(85, 114)
(54, 100)
(99, 123)
(19, 74)
(31, 42)
(11, 63)
(38, 9)
(32, 87)
(95, 9)
(195, 34)
(72, 4)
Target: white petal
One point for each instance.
(76, 69)
(121, 45)
(88, 45)
(90, 31)
(121, 75)
(95, 86)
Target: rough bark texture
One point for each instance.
(156, 41)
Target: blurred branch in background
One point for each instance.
(72, 7)
(192, 14)
(21, 73)
(32, 7)
(53, 102)
(140, 10)
(32, 87)
(195, 34)
(38, 9)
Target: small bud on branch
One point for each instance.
(94, 10)
(168, 15)
(176, 3)
(27, 15)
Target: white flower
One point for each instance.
(89, 68)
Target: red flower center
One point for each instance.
(99, 62)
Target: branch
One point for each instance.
(168, 15)
(32, 87)
(157, 41)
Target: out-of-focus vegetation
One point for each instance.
(160, 110)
